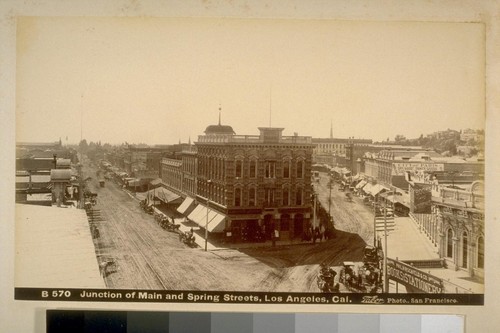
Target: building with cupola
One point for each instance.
(254, 187)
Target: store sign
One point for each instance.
(399, 169)
(413, 277)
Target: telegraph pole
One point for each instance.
(314, 213)
(330, 184)
(386, 279)
(208, 211)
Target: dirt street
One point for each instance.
(145, 256)
(348, 216)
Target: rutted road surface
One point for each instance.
(148, 257)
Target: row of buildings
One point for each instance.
(255, 187)
(45, 173)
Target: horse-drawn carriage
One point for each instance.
(188, 238)
(167, 223)
(326, 279)
(107, 267)
(147, 207)
(366, 277)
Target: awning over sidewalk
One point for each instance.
(215, 219)
(376, 189)
(188, 202)
(197, 214)
(367, 188)
(165, 195)
(361, 184)
(159, 193)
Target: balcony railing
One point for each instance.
(459, 197)
(251, 139)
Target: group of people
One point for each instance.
(319, 233)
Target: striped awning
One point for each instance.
(216, 221)
(185, 205)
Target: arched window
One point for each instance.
(237, 197)
(449, 243)
(480, 252)
(270, 169)
(251, 196)
(269, 196)
(286, 197)
(239, 169)
(300, 169)
(298, 197)
(465, 245)
(286, 169)
(253, 168)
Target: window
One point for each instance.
(300, 169)
(286, 169)
(298, 197)
(480, 252)
(239, 166)
(270, 169)
(269, 196)
(286, 197)
(465, 246)
(251, 196)
(449, 247)
(237, 197)
(253, 168)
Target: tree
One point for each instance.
(83, 145)
(450, 145)
(399, 138)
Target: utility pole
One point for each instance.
(208, 211)
(206, 225)
(386, 280)
(314, 213)
(330, 184)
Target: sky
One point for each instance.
(163, 80)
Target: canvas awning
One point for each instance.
(361, 184)
(185, 205)
(376, 189)
(367, 188)
(162, 194)
(215, 219)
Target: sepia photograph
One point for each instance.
(250, 160)
(250, 155)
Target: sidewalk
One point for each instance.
(406, 242)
